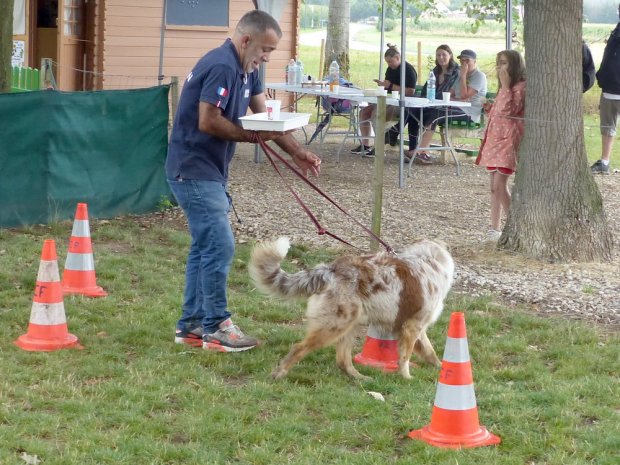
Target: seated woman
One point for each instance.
(446, 73)
(391, 83)
(471, 86)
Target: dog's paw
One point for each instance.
(357, 375)
(278, 374)
(404, 371)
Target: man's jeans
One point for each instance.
(206, 205)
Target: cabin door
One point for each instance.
(71, 63)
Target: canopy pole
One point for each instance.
(508, 24)
(382, 46)
(403, 87)
(162, 36)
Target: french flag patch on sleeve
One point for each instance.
(222, 92)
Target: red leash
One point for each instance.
(320, 229)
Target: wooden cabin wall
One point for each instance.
(132, 35)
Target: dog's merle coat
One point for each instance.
(400, 294)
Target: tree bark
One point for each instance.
(6, 44)
(557, 210)
(337, 43)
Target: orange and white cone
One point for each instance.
(47, 330)
(79, 274)
(454, 421)
(380, 350)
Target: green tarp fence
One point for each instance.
(104, 148)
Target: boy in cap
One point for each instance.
(471, 86)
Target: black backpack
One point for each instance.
(589, 73)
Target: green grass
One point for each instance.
(548, 387)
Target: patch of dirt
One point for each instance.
(435, 203)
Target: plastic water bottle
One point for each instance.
(300, 72)
(431, 84)
(334, 77)
(291, 72)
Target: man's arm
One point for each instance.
(304, 159)
(467, 91)
(212, 121)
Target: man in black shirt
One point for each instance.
(392, 84)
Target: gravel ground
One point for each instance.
(435, 203)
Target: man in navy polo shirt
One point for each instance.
(220, 88)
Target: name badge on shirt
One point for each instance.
(247, 93)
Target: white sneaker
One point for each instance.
(493, 235)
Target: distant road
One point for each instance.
(314, 38)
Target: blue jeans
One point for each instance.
(206, 205)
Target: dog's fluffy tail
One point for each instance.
(265, 270)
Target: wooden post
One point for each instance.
(174, 96)
(420, 78)
(47, 74)
(377, 181)
(321, 61)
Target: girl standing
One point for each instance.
(500, 146)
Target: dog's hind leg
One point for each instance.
(424, 349)
(344, 360)
(408, 335)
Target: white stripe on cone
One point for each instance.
(80, 262)
(47, 314)
(449, 397)
(377, 333)
(456, 350)
(48, 271)
(80, 228)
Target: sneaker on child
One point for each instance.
(361, 149)
(600, 168)
(228, 338)
(370, 153)
(423, 158)
(493, 235)
(191, 338)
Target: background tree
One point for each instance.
(600, 11)
(557, 211)
(337, 42)
(6, 44)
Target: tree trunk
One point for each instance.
(557, 211)
(337, 43)
(6, 44)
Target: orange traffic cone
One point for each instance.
(79, 274)
(47, 329)
(380, 350)
(454, 422)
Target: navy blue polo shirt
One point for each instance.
(219, 79)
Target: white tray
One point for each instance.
(286, 122)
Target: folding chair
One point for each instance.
(330, 107)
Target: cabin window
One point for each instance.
(72, 17)
(197, 12)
